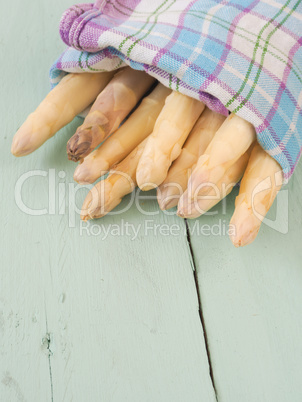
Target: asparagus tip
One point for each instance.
(246, 226)
(167, 199)
(143, 178)
(180, 213)
(187, 207)
(21, 145)
(79, 145)
(81, 176)
(91, 169)
(189, 212)
(95, 213)
(85, 217)
(167, 204)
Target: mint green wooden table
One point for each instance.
(155, 318)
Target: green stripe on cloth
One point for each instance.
(143, 27)
(150, 29)
(255, 51)
(263, 55)
(234, 31)
(208, 55)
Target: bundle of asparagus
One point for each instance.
(199, 138)
(139, 125)
(193, 155)
(108, 111)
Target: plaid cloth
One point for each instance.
(244, 56)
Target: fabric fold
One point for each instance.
(241, 56)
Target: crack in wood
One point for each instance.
(48, 346)
(203, 324)
(50, 374)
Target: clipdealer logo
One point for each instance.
(150, 227)
(62, 195)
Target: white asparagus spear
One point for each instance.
(108, 193)
(232, 139)
(260, 184)
(136, 128)
(73, 94)
(111, 107)
(176, 181)
(172, 127)
(188, 208)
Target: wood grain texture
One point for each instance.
(81, 317)
(252, 304)
(128, 328)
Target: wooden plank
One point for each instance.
(84, 318)
(24, 369)
(126, 324)
(252, 305)
(24, 361)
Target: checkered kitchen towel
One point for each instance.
(239, 55)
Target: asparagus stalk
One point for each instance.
(111, 107)
(188, 208)
(108, 193)
(176, 181)
(138, 126)
(172, 127)
(232, 139)
(259, 186)
(71, 96)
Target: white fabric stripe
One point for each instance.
(205, 29)
(292, 129)
(199, 50)
(161, 35)
(294, 122)
(211, 14)
(287, 9)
